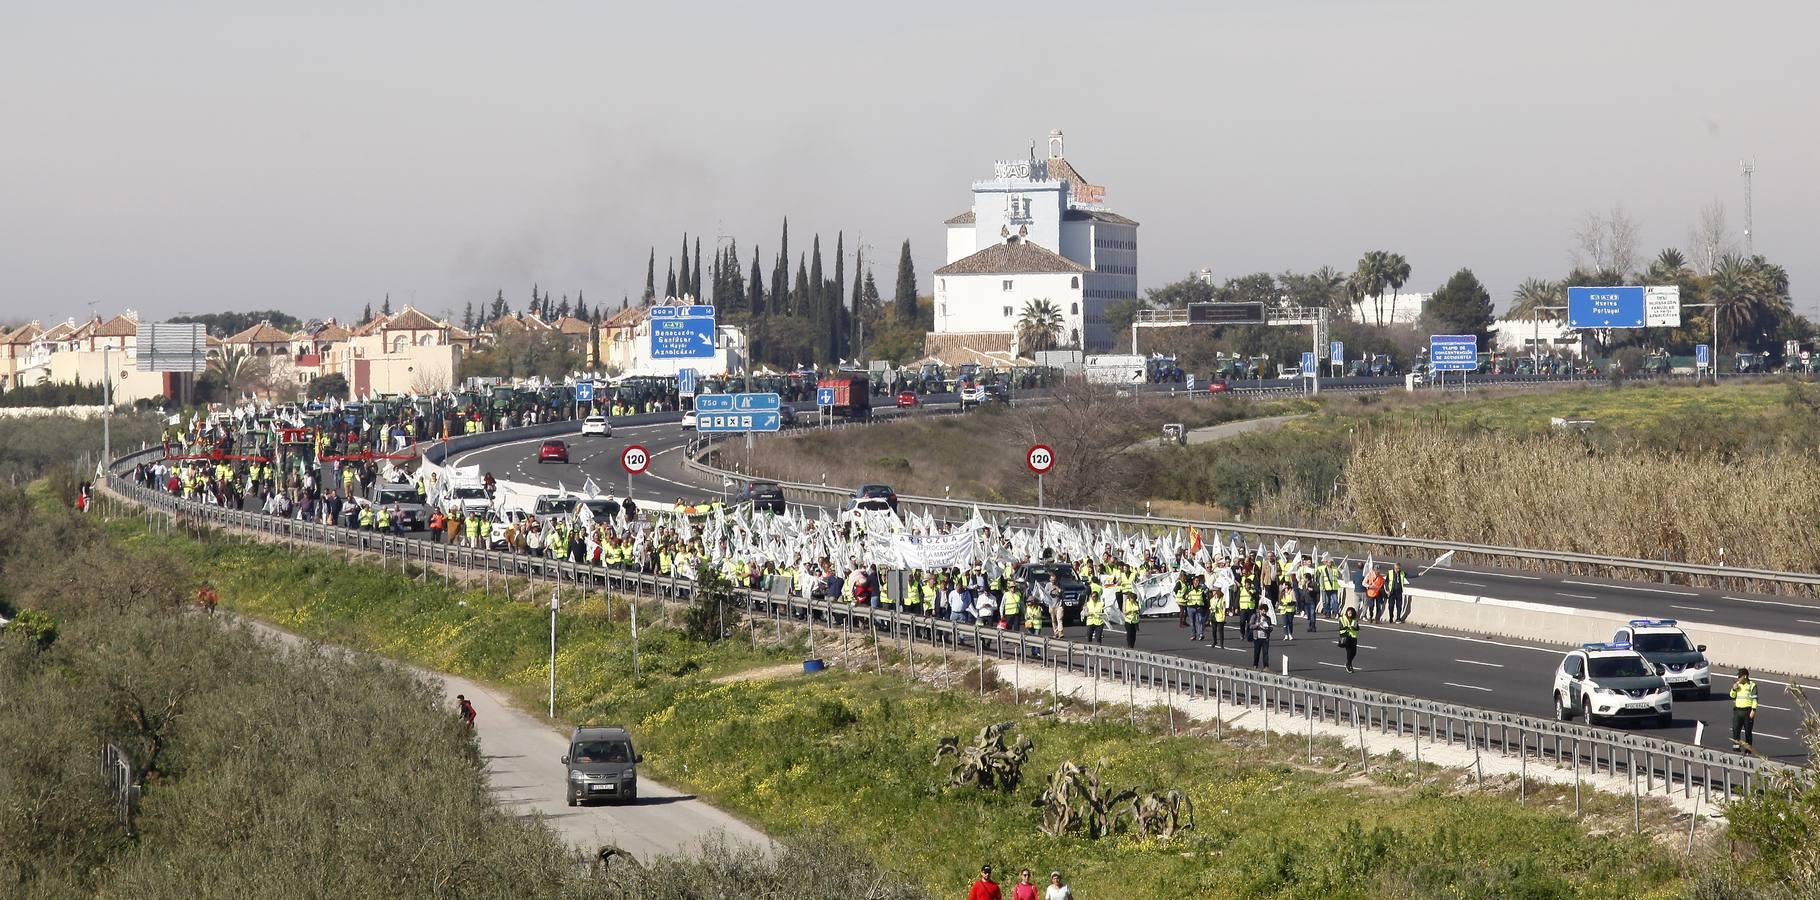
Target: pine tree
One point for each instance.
(695, 273)
(872, 300)
(467, 319)
(1461, 306)
(651, 277)
(562, 309)
(385, 309)
(905, 300)
(499, 306)
(670, 282)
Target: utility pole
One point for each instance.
(1747, 169)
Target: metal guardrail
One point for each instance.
(956, 510)
(1652, 763)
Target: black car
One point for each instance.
(786, 417)
(998, 393)
(1074, 589)
(763, 495)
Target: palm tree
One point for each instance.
(1748, 292)
(1396, 274)
(1332, 287)
(1040, 327)
(1534, 294)
(1369, 279)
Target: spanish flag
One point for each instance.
(1194, 543)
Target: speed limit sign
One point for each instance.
(1040, 459)
(636, 459)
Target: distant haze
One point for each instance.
(198, 156)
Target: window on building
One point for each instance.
(1074, 309)
(1006, 284)
(942, 283)
(1007, 312)
(1074, 282)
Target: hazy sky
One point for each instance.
(198, 156)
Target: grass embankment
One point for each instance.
(849, 754)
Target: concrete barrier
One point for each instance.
(1766, 651)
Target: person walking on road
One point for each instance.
(1744, 711)
(1131, 609)
(1394, 585)
(467, 710)
(1194, 601)
(1349, 635)
(1261, 624)
(1093, 612)
(984, 888)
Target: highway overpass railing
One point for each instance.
(1652, 764)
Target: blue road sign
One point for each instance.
(1453, 352)
(1336, 351)
(713, 403)
(757, 402)
(584, 391)
(682, 332)
(824, 396)
(685, 382)
(1703, 356)
(1605, 307)
(725, 422)
(1308, 363)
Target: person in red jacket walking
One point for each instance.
(984, 888)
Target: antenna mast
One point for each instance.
(1747, 168)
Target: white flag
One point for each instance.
(1444, 559)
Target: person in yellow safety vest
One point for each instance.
(913, 591)
(1349, 635)
(1093, 612)
(664, 560)
(1035, 616)
(1131, 609)
(382, 520)
(1248, 603)
(1397, 598)
(1744, 711)
(366, 518)
(884, 589)
(1328, 574)
(473, 526)
(1012, 610)
(1194, 599)
(472, 426)
(1218, 637)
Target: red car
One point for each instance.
(1215, 387)
(553, 449)
(907, 399)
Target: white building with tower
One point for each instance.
(1037, 231)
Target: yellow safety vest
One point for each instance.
(1014, 603)
(1744, 695)
(1330, 579)
(1194, 597)
(1095, 613)
(1132, 608)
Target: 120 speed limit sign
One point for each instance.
(1040, 459)
(636, 459)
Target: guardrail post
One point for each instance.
(1576, 778)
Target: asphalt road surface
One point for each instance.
(1493, 673)
(523, 754)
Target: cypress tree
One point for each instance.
(670, 283)
(905, 301)
(562, 309)
(837, 289)
(386, 308)
(682, 269)
(651, 277)
(499, 306)
(755, 297)
(366, 314)
(467, 319)
(859, 305)
(581, 307)
(695, 274)
(813, 297)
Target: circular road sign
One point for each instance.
(636, 459)
(1040, 459)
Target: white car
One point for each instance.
(1611, 681)
(688, 420)
(596, 425)
(1681, 662)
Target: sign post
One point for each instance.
(685, 382)
(1453, 353)
(584, 393)
(1311, 368)
(1336, 356)
(636, 459)
(824, 404)
(1040, 459)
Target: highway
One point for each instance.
(1492, 673)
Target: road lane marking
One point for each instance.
(1632, 587)
(1694, 608)
(1501, 574)
(1326, 663)
(1467, 583)
(1474, 662)
(1808, 606)
(1808, 621)
(1472, 687)
(1575, 596)
(1768, 735)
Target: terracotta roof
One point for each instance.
(1060, 169)
(370, 328)
(1013, 258)
(85, 330)
(119, 326)
(626, 318)
(59, 332)
(572, 325)
(965, 218)
(262, 333)
(457, 333)
(26, 334)
(1098, 215)
(410, 319)
(209, 340)
(532, 323)
(333, 331)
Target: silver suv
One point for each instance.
(601, 765)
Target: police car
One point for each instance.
(1611, 681)
(1679, 661)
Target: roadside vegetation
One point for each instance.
(30, 445)
(849, 756)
